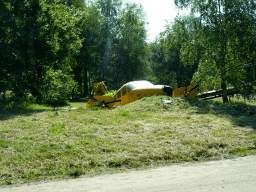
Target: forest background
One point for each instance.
(54, 50)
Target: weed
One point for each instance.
(31, 175)
(94, 163)
(134, 163)
(3, 144)
(217, 133)
(143, 114)
(43, 148)
(81, 108)
(89, 120)
(217, 145)
(125, 113)
(242, 151)
(95, 108)
(192, 142)
(56, 128)
(69, 146)
(115, 163)
(29, 114)
(6, 181)
(63, 171)
(75, 172)
(54, 116)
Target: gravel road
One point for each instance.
(230, 175)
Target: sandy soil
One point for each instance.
(234, 175)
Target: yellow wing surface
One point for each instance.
(184, 91)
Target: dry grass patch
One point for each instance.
(73, 142)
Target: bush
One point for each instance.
(57, 87)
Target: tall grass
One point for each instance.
(41, 144)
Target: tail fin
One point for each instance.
(100, 88)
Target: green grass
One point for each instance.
(243, 151)
(38, 143)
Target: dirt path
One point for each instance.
(234, 175)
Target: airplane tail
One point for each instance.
(100, 88)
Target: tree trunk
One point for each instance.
(4, 93)
(223, 73)
(223, 66)
(224, 86)
(85, 81)
(73, 94)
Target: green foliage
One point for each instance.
(78, 4)
(87, 61)
(109, 10)
(93, 40)
(225, 32)
(111, 93)
(57, 87)
(130, 52)
(162, 71)
(208, 78)
(37, 34)
(166, 53)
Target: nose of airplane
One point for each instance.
(168, 90)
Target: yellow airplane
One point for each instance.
(133, 91)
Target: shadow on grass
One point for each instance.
(12, 108)
(10, 114)
(85, 100)
(239, 113)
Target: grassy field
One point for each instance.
(38, 143)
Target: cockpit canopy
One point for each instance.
(126, 88)
(138, 84)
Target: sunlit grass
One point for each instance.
(73, 140)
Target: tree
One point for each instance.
(162, 71)
(40, 35)
(90, 52)
(168, 66)
(78, 4)
(109, 9)
(6, 57)
(226, 32)
(130, 48)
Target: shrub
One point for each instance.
(57, 87)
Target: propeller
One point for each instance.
(102, 103)
(91, 97)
